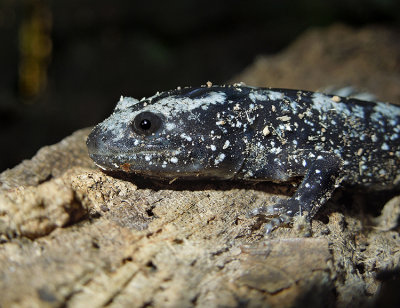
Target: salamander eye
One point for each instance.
(146, 123)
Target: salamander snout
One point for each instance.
(101, 150)
(99, 143)
(92, 141)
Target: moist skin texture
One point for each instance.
(254, 134)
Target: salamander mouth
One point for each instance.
(156, 151)
(140, 159)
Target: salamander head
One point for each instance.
(179, 133)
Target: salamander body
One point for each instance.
(254, 134)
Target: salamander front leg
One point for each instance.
(321, 179)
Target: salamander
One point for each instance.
(255, 134)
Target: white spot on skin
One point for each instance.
(174, 160)
(171, 105)
(186, 137)
(358, 111)
(288, 127)
(294, 105)
(255, 96)
(226, 144)
(387, 110)
(219, 159)
(170, 126)
(317, 171)
(274, 95)
(213, 147)
(275, 150)
(147, 158)
(385, 147)
(324, 104)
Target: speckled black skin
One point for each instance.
(258, 134)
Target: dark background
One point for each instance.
(65, 63)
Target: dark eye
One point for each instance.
(146, 123)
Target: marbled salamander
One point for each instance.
(260, 134)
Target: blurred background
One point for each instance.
(64, 64)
